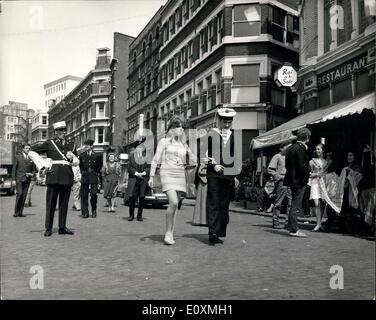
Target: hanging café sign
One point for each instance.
(286, 76)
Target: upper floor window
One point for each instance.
(247, 20)
(246, 83)
(100, 110)
(278, 27)
(44, 119)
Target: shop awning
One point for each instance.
(283, 133)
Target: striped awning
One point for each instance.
(284, 132)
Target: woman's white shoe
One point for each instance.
(169, 239)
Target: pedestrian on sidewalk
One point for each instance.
(277, 169)
(111, 174)
(221, 145)
(297, 175)
(201, 183)
(172, 153)
(76, 188)
(22, 172)
(90, 165)
(59, 176)
(139, 173)
(319, 193)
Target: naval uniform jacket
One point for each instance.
(58, 174)
(215, 141)
(90, 167)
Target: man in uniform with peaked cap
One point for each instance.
(59, 177)
(220, 147)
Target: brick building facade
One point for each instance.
(86, 108)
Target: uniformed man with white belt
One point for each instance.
(59, 178)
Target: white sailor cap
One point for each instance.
(59, 125)
(226, 113)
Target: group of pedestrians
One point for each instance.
(292, 173)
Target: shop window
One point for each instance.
(365, 83)
(324, 96)
(247, 20)
(342, 90)
(246, 83)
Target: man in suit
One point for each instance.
(222, 147)
(59, 177)
(297, 175)
(139, 172)
(22, 172)
(90, 165)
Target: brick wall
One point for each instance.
(121, 52)
(309, 31)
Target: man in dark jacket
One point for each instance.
(297, 175)
(139, 172)
(22, 172)
(90, 165)
(59, 178)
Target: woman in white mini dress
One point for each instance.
(171, 154)
(319, 192)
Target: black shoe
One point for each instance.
(214, 239)
(94, 215)
(130, 218)
(139, 218)
(22, 215)
(15, 215)
(65, 231)
(48, 233)
(83, 216)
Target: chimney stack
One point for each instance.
(103, 59)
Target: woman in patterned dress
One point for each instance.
(171, 154)
(111, 173)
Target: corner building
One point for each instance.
(226, 52)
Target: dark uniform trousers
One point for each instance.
(55, 191)
(87, 189)
(21, 193)
(217, 205)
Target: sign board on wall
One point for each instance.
(286, 76)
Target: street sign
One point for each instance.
(286, 76)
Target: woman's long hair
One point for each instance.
(176, 121)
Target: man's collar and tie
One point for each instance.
(304, 144)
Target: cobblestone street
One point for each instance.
(111, 258)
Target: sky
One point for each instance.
(41, 41)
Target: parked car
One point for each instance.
(154, 197)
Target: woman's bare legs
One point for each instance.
(318, 214)
(113, 204)
(171, 215)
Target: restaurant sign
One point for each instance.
(342, 71)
